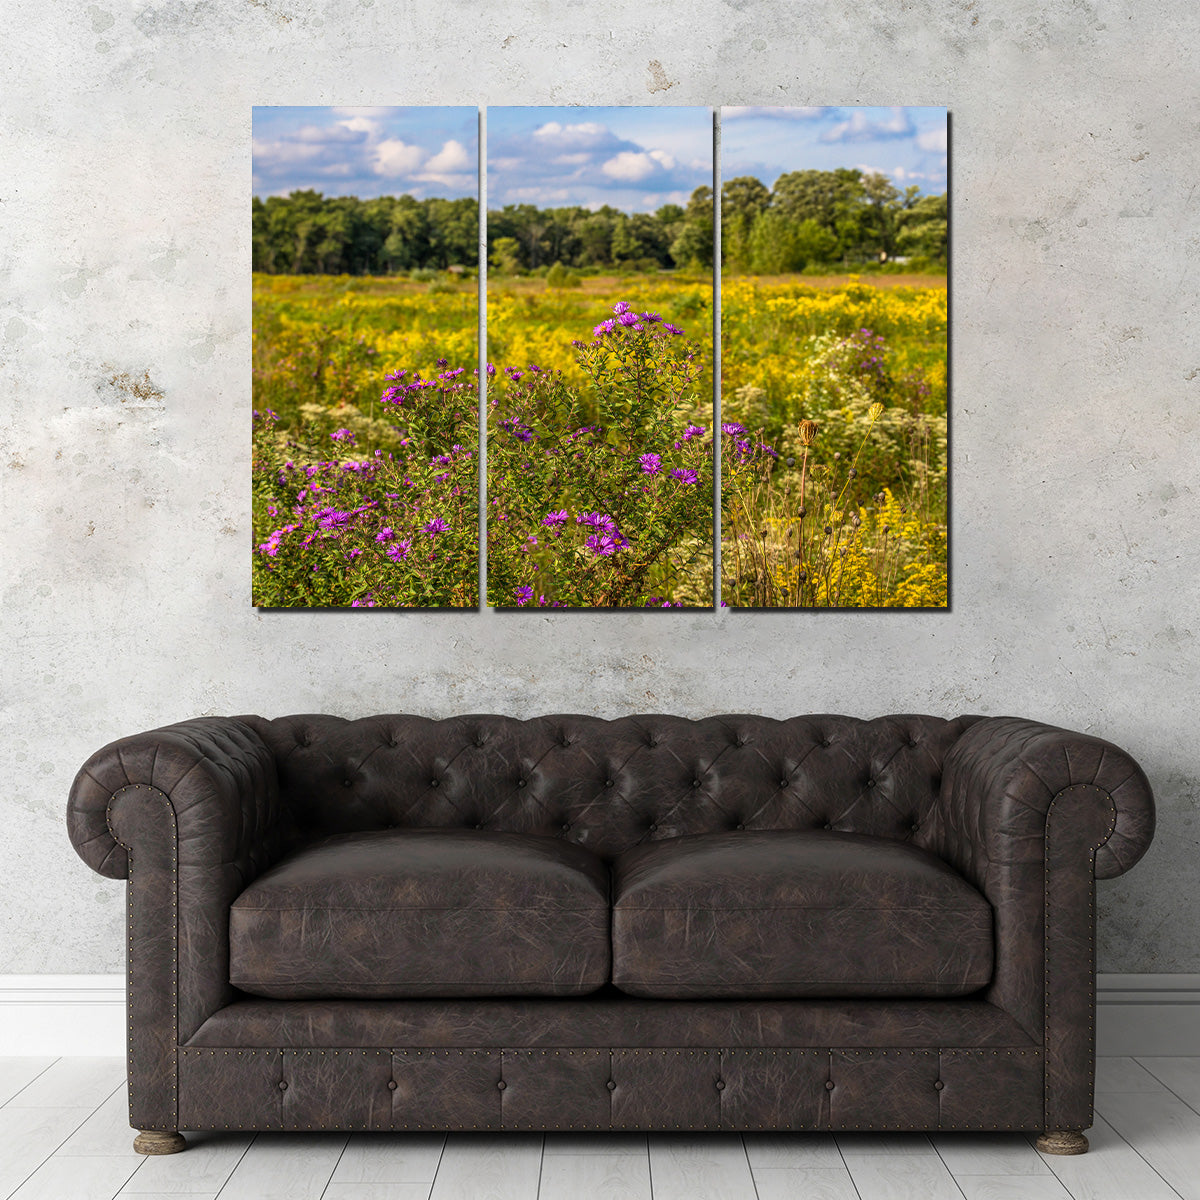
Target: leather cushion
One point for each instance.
(785, 914)
(404, 913)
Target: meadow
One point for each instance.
(833, 404)
(366, 441)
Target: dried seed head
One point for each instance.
(802, 513)
(791, 462)
(853, 472)
(887, 529)
(875, 411)
(791, 531)
(856, 520)
(828, 530)
(808, 432)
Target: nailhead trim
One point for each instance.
(1046, 1007)
(153, 791)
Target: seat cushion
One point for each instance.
(790, 914)
(430, 912)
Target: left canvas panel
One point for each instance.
(365, 361)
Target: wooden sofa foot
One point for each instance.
(159, 1141)
(1062, 1141)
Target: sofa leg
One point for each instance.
(1062, 1141)
(159, 1141)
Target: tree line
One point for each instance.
(809, 218)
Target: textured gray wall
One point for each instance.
(124, 364)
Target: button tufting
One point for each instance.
(565, 826)
(652, 742)
(283, 1085)
(521, 782)
(915, 827)
(347, 783)
(829, 1085)
(827, 741)
(870, 783)
(784, 782)
(739, 825)
(652, 828)
(392, 1085)
(720, 1085)
(479, 741)
(939, 1085)
(696, 783)
(611, 1085)
(912, 741)
(501, 1085)
(434, 782)
(827, 825)
(608, 783)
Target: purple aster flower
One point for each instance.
(342, 435)
(684, 476)
(385, 534)
(602, 544)
(524, 595)
(733, 428)
(694, 431)
(491, 370)
(603, 328)
(555, 518)
(651, 318)
(396, 376)
(443, 362)
(437, 525)
(598, 521)
(627, 318)
(651, 464)
(621, 308)
(672, 329)
(399, 551)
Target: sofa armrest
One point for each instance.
(216, 772)
(190, 814)
(1003, 775)
(1032, 816)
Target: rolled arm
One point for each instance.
(1004, 774)
(1033, 815)
(216, 772)
(189, 814)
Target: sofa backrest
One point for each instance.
(609, 785)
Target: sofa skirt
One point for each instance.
(911, 1065)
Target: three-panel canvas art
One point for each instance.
(660, 389)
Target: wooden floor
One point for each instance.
(64, 1136)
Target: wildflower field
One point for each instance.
(365, 467)
(600, 450)
(834, 461)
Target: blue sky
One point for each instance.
(636, 159)
(367, 152)
(906, 144)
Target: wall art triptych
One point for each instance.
(692, 391)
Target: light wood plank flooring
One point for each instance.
(63, 1136)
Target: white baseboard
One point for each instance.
(1148, 1014)
(85, 1014)
(62, 1014)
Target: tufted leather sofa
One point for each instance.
(733, 923)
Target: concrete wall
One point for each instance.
(124, 369)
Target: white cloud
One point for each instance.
(450, 158)
(367, 125)
(281, 153)
(394, 157)
(552, 129)
(366, 110)
(933, 140)
(737, 112)
(631, 166)
(860, 128)
(572, 160)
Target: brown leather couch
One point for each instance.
(735, 923)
